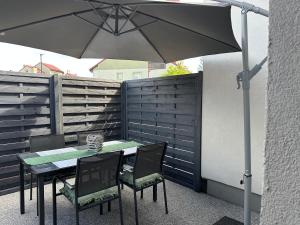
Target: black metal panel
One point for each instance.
(168, 109)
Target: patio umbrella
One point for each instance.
(137, 30)
(119, 29)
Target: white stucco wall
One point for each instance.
(222, 118)
(127, 74)
(281, 196)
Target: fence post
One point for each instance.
(57, 102)
(198, 127)
(124, 110)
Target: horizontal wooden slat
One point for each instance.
(89, 109)
(10, 182)
(177, 173)
(9, 171)
(41, 100)
(24, 79)
(179, 164)
(100, 117)
(90, 83)
(160, 91)
(90, 100)
(185, 111)
(80, 91)
(162, 138)
(24, 122)
(163, 101)
(73, 137)
(180, 153)
(162, 82)
(78, 128)
(16, 145)
(25, 111)
(158, 128)
(8, 160)
(159, 119)
(24, 89)
(25, 133)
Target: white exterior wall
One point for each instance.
(127, 74)
(222, 118)
(281, 196)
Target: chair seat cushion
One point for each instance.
(140, 183)
(69, 191)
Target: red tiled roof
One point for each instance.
(53, 68)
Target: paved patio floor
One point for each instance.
(186, 207)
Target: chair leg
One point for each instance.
(120, 206)
(31, 177)
(165, 196)
(77, 214)
(101, 209)
(155, 192)
(109, 206)
(54, 201)
(135, 208)
(142, 194)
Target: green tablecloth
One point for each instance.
(37, 160)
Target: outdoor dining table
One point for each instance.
(60, 162)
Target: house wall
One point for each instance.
(222, 118)
(281, 196)
(128, 74)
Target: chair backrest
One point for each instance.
(81, 136)
(97, 173)
(46, 142)
(149, 159)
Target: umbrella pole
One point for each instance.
(247, 178)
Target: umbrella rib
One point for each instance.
(93, 36)
(137, 28)
(146, 38)
(50, 18)
(99, 15)
(89, 22)
(128, 18)
(182, 27)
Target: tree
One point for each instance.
(177, 69)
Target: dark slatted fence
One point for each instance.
(86, 104)
(167, 109)
(151, 110)
(24, 111)
(32, 104)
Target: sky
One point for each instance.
(13, 57)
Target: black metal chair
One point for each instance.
(147, 172)
(44, 143)
(96, 182)
(81, 136)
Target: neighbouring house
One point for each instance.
(120, 70)
(46, 68)
(30, 69)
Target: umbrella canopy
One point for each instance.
(118, 29)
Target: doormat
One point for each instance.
(227, 221)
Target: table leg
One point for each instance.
(22, 183)
(41, 200)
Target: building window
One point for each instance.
(136, 75)
(119, 76)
